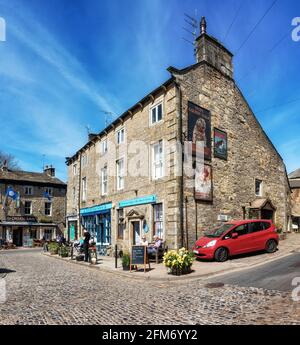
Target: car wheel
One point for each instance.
(271, 246)
(221, 254)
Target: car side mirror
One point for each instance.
(235, 235)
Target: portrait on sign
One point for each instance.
(199, 129)
(203, 182)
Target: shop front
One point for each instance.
(23, 231)
(97, 220)
(72, 228)
(138, 217)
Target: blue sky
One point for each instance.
(64, 61)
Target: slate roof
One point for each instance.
(295, 174)
(30, 177)
(295, 183)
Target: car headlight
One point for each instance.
(210, 244)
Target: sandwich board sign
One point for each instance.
(139, 256)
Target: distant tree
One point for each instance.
(11, 161)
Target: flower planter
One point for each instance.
(181, 271)
(126, 268)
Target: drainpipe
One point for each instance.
(181, 180)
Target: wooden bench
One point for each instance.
(159, 253)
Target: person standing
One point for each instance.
(86, 241)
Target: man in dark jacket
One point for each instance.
(86, 241)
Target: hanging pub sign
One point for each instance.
(203, 182)
(220, 144)
(199, 128)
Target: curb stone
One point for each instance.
(176, 279)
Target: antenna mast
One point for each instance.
(193, 26)
(106, 116)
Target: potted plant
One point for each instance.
(64, 253)
(53, 248)
(178, 262)
(126, 261)
(282, 235)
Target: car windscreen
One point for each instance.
(219, 231)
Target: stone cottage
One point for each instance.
(128, 179)
(32, 206)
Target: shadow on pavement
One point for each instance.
(6, 271)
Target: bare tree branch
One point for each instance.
(11, 161)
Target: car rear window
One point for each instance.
(258, 226)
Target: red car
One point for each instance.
(237, 237)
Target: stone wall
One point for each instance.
(38, 204)
(296, 202)
(250, 154)
(139, 136)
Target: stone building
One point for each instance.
(32, 205)
(295, 186)
(128, 179)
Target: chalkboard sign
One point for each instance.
(139, 256)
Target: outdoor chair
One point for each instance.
(157, 257)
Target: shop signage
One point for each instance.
(220, 144)
(29, 219)
(139, 256)
(96, 209)
(149, 199)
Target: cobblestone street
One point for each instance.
(42, 290)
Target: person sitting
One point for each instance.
(153, 247)
(143, 241)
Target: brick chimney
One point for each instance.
(49, 170)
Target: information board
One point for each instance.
(139, 256)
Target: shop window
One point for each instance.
(28, 208)
(121, 223)
(33, 234)
(48, 234)
(158, 228)
(48, 209)
(156, 113)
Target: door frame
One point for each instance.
(132, 234)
